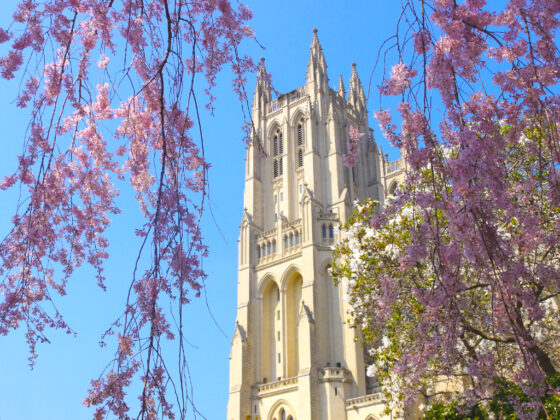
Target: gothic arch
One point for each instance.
(274, 125)
(288, 273)
(371, 417)
(298, 115)
(262, 283)
(277, 407)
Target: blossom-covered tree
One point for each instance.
(110, 88)
(455, 283)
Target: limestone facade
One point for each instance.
(293, 357)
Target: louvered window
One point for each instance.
(299, 144)
(277, 152)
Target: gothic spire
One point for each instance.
(317, 67)
(341, 90)
(356, 96)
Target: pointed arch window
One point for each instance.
(331, 231)
(299, 143)
(324, 231)
(277, 152)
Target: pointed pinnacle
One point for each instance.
(356, 91)
(341, 89)
(316, 58)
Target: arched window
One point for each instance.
(274, 246)
(324, 229)
(299, 143)
(297, 238)
(277, 152)
(258, 251)
(268, 249)
(290, 418)
(291, 240)
(286, 245)
(282, 414)
(331, 231)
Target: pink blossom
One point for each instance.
(103, 62)
(10, 64)
(4, 35)
(400, 80)
(350, 158)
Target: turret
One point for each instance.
(263, 89)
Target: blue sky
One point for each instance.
(349, 31)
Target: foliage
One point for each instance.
(455, 282)
(110, 87)
(500, 405)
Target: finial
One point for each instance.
(262, 59)
(315, 30)
(354, 65)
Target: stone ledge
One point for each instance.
(364, 401)
(271, 388)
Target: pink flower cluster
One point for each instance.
(350, 158)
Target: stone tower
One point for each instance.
(293, 357)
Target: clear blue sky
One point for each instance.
(349, 31)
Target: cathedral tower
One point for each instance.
(293, 357)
